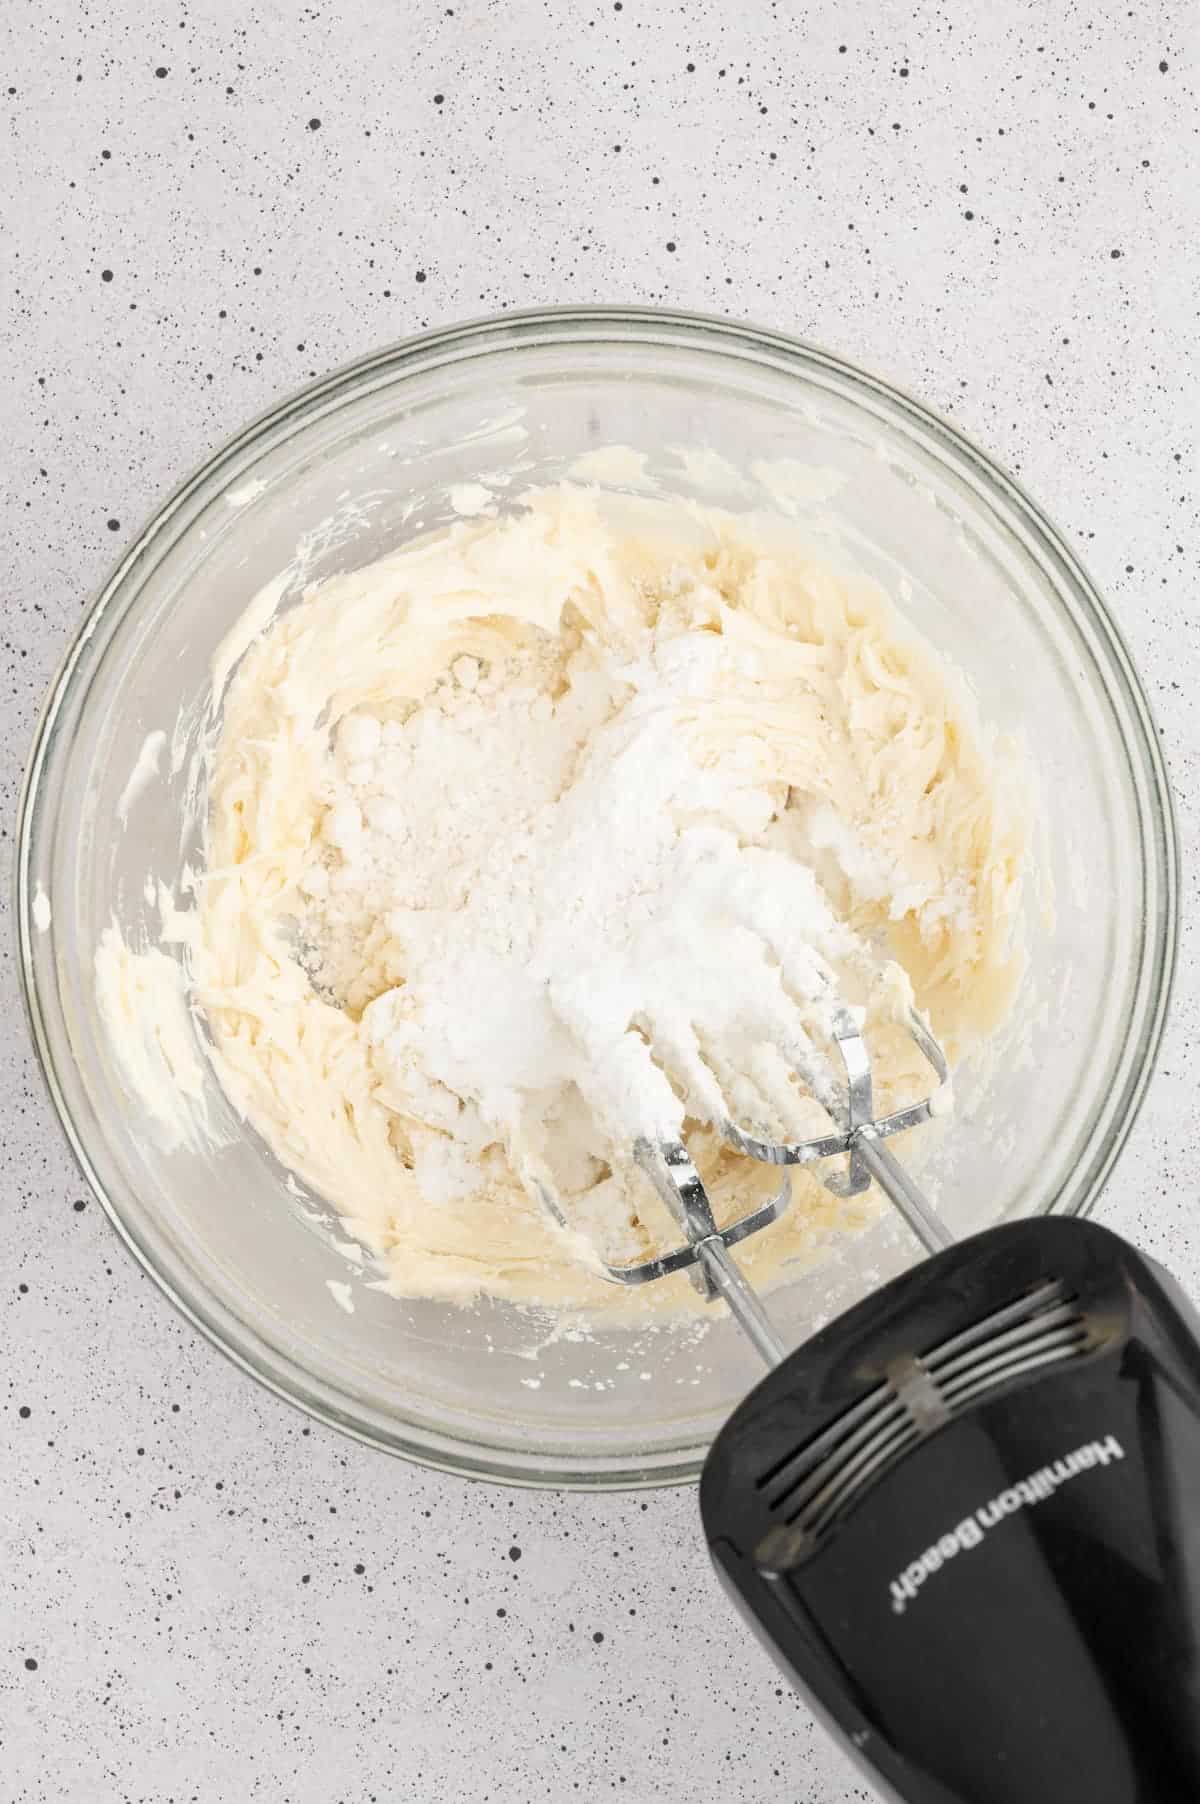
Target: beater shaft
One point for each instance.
(744, 1302)
(900, 1190)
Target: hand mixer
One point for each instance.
(965, 1516)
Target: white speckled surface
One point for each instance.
(201, 205)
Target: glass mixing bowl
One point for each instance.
(367, 457)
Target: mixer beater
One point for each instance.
(855, 1132)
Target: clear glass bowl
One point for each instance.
(365, 458)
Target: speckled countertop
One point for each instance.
(201, 1596)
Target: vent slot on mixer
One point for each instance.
(809, 1488)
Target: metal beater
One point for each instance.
(857, 1132)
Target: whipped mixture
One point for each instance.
(562, 828)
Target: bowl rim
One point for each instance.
(278, 1371)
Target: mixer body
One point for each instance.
(965, 1518)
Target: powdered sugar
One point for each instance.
(531, 895)
(419, 804)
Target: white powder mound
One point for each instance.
(571, 889)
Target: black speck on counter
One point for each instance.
(514, 1553)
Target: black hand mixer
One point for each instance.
(965, 1516)
(965, 1519)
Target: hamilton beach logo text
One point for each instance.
(1023, 1495)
